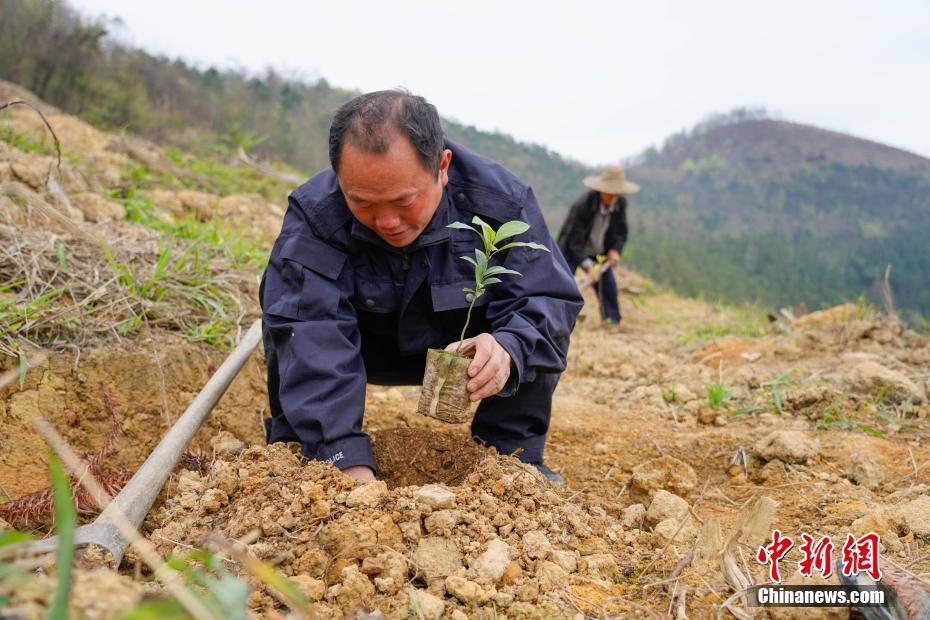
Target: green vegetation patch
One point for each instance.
(22, 141)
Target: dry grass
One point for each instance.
(64, 288)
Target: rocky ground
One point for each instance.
(686, 435)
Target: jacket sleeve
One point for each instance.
(532, 316)
(572, 239)
(622, 229)
(308, 314)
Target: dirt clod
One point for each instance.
(664, 506)
(429, 605)
(437, 557)
(666, 473)
(870, 378)
(787, 446)
(367, 494)
(864, 471)
(435, 496)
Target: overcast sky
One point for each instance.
(597, 81)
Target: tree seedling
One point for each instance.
(444, 395)
(486, 275)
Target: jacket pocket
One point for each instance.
(450, 296)
(308, 270)
(373, 295)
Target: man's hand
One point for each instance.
(594, 273)
(489, 368)
(359, 472)
(613, 258)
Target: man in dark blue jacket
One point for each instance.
(365, 276)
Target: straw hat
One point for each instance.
(611, 181)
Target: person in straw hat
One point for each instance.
(596, 226)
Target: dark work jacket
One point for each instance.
(329, 276)
(574, 234)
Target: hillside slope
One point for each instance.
(783, 213)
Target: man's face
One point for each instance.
(608, 199)
(392, 193)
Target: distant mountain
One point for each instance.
(746, 207)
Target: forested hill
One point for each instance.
(69, 61)
(745, 207)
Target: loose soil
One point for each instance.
(414, 457)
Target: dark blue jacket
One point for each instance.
(329, 278)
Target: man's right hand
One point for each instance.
(594, 273)
(359, 472)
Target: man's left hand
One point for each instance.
(613, 258)
(489, 368)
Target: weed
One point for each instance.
(237, 139)
(22, 142)
(778, 403)
(746, 410)
(831, 422)
(881, 396)
(220, 332)
(718, 395)
(222, 241)
(65, 523)
(739, 321)
(16, 316)
(209, 175)
(833, 417)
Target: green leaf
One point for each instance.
(745, 410)
(487, 233)
(469, 259)
(11, 285)
(468, 290)
(481, 259)
(276, 580)
(12, 537)
(525, 244)
(232, 594)
(871, 430)
(462, 226)
(157, 609)
(23, 367)
(497, 270)
(60, 248)
(510, 229)
(491, 281)
(65, 521)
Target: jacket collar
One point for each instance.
(435, 231)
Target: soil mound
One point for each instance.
(504, 537)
